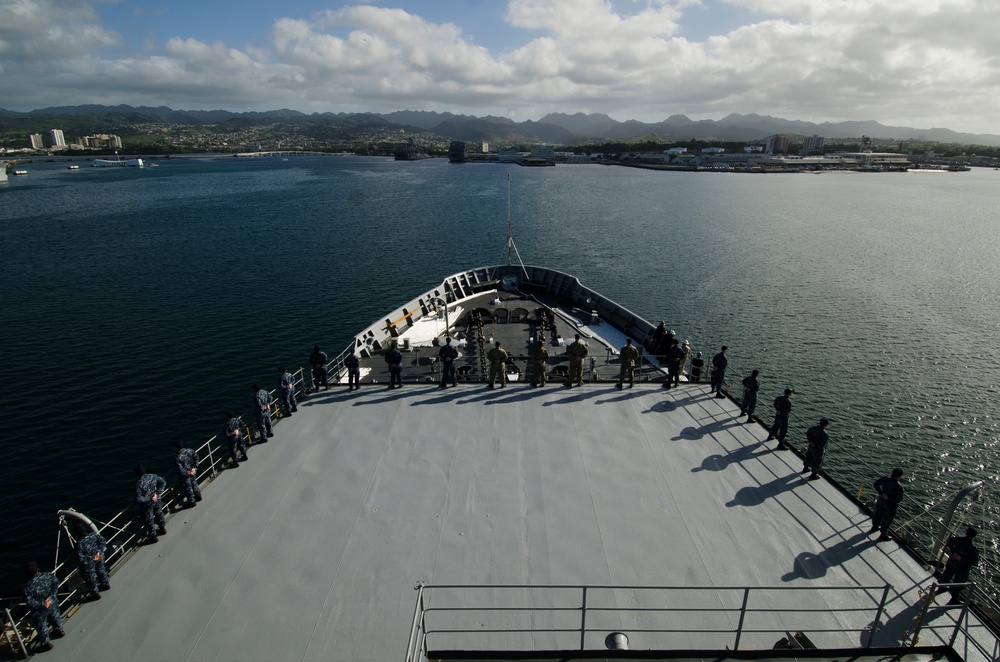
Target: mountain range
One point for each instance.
(555, 128)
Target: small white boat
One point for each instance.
(117, 163)
(73, 167)
(20, 173)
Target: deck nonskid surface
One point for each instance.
(311, 550)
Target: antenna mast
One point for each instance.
(510, 240)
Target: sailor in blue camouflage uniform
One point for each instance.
(675, 356)
(233, 430)
(750, 388)
(187, 461)
(890, 493)
(262, 406)
(782, 408)
(697, 365)
(963, 556)
(394, 359)
(448, 354)
(41, 593)
(816, 451)
(286, 382)
(318, 361)
(718, 374)
(353, 365)
(148, 489)
(90, 550)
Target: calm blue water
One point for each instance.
(139, 305)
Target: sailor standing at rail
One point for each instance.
(890, 493)
(90, 551)
(750, 388)
(697, 365)
(233, 429)
(658, 333)
(448, 354)
(962, 557)
(353, 365)
(719, 363)
(148, 489)
(41, 593)
(577, 353)
(318, 361)
(394, 359)
(782, 408)
(498, 365)
(817, 438)
(540, 358)
(187, 461)
(628, 355)
(675, 357)
(262, 405)
(286, 382)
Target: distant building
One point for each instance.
(777, 144)
(58, 139)
(485, 148)
(869, 159)
(750, 149)
(676, 150)
(36, 141)
(544, 152)
(713, 150)
(813, 144)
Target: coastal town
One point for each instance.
(471, 140)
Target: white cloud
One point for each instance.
(29, 31)
(931, 63)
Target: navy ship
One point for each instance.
(409, 152)
(432, 522)
(456, 152)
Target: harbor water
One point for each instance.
(139, 305)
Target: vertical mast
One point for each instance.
(510, 240)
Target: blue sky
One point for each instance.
(933, 63)
(150, 21)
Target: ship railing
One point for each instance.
(505, 617)
(124, 532)
(927, 534)
(972, 638)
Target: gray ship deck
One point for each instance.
(311, 550)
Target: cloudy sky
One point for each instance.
(919, 63)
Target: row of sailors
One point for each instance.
(41, 590)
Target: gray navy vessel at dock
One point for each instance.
(516, 523)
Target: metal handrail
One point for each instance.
(585, 606)
(9, 620)
(961, 624)
(124, 538)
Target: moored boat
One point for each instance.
(117, 163)
(410, 152)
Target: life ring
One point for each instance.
(72, 519)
